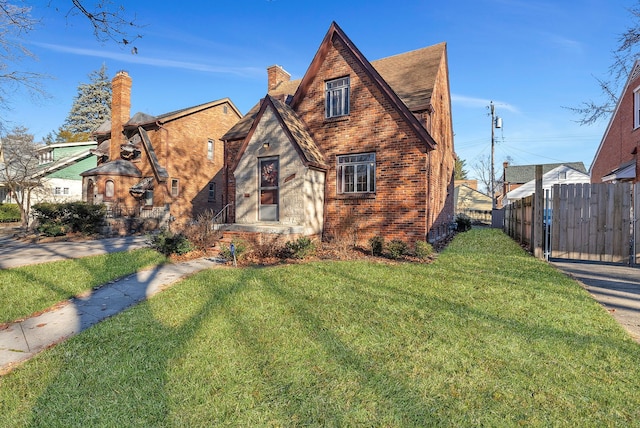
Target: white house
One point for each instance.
(562, 174)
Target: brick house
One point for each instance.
(171, 163)
(354, 147)
(617, 156)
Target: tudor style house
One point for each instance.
(354, 146)
(169, 164)
(617, 156)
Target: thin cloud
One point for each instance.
(471, 102)
(157, 62)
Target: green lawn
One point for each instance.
(29, 289)
(484, 336)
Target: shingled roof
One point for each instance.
(410, 75)
(525, 173)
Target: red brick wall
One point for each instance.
(405, 205)
(620, 139)
(181, 147)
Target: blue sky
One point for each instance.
(531, 58)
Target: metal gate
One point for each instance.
(593, 222)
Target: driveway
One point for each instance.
(614, 286)
(14, 253)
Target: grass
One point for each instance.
(30, 289)
(484, 336)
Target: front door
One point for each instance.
(269, 169)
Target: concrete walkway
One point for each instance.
(614, 286)
(20, 341)
(14, 253)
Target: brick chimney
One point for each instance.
(276, 75)
(120, 111)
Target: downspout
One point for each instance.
(428, 199)
(167, 184)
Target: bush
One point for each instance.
(463, 222)
(70, 217)
(300, 248)
(397, 248)
(423, 249)
(9, 213)
(377, 245)
(240, 246)
(200, 231)
(167, 243)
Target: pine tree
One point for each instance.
(91, 108)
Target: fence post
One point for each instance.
(538, 220)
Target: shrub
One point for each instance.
(300, 248)
(397, 248)
(200, 231)
(463, 222)
(377, 245)
(240, 246)
(59, 219)
(9, 213)
(423, 249)
(167, 243)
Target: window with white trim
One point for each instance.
(337, 97)
(636, 108)
(210, 149)
(175, 189)
(357, 173)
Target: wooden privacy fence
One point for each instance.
(596, 222)
(518, 221)
(593, 222)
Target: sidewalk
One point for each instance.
(20, 341)
(616, 287)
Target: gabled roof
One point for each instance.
(549, 178)
(144, 119)
(408, 79)
(63, 163)
(335, 33)
(295, 130)
(635, 72)
(525, 173)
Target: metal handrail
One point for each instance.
(223, 214)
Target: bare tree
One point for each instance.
(19, 169)
(623, 59)
(109, 22)
(482, 169)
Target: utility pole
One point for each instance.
(493, 180)
(496, 122)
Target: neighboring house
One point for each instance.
(563, 174)
(58, 171)
(514, 176)
(60, 166)
(169, 164)
(470, 202)
(617, 156)
(354, 148)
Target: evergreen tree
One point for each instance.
(91, 108)
(460, 173)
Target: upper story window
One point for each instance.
(636, 108)
(210, 149)
(46, 157)
(175, 187)
(337, 97)
(357, 173)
